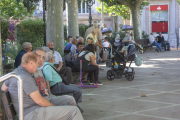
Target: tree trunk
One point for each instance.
(55, 27)
(2, 110)
(113, 25)
(136, 17)
(72, 18)
(102, 15)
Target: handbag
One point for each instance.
(138, 61)
(65, 79)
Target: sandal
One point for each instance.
(84, 80)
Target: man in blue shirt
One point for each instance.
(26, 47)
(68, 46)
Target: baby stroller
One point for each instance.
(121, 57)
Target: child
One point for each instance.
(106, 43)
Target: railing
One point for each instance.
(20, 91)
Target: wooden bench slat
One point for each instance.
(9, 108)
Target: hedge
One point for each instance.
(31, 31)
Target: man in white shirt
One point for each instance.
(66, 71)
(153, 42)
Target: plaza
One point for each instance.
(120, 99)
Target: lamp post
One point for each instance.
(89, 4)
(44, 21)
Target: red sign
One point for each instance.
(158, 7)
(160, 27)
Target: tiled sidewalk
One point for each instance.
(158, 78)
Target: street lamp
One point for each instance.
(89, 4)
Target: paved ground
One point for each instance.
(158, 78)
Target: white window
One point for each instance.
(82, 7)
(161, 15)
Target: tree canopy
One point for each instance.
(10, 8)
(119, 10)
(135, 6)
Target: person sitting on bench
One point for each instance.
(34, 104)
(153, 42)
(87, 56)
(55, 80)
(43, 87)
(66, 71)
(125, 42)
(161, 40)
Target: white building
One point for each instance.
(162, 16)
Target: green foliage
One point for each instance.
(121, 33)
(30, 4)
(144, 3)
(82, 30)
(11, 51)
(178, 1)
(145, 35)
(10, 8)
(4, 31)
(119, 10)
(31, 31)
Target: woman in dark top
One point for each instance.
(87, 56)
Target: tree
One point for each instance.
(55, 27)
(10, 8)
(135, 7)
(72, 17)
(119, 10)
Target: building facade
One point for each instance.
(162, 16)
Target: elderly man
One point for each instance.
(44, 88)
(153, 42)
(34, 104)
(66, 71)
(55, 81)
(26, 47)
(80, 39)
(127, 39)
(161, 40)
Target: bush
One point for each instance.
(82, 30)
(121, 33)
(145, 35)
(31, 31)
(4, 31)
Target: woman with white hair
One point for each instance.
(54, 80)
(117, 41)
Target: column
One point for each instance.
(172, 36)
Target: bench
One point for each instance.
(68, 58)
(145, 43)
(9, 108)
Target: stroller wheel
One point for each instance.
(118, 74)
(130, 77)
(110, 75)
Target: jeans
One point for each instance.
(61, 88)
(158, 45)
(93, 70)
(166, 44)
